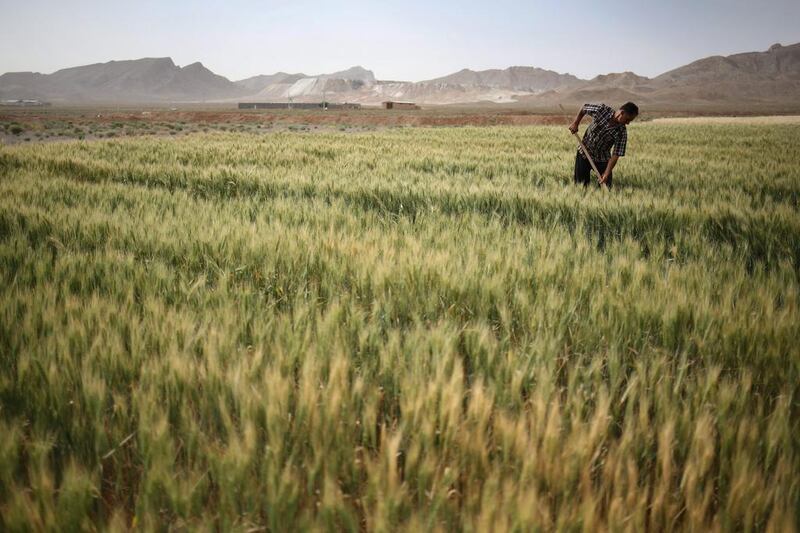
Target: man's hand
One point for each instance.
(602, 179)
(574, 127)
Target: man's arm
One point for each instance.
(587, 109)
(609, 167)
(619, 150)
(577, 122)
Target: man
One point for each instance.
(607, 130)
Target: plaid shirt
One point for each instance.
(603, 133)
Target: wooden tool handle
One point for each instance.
(591, 161)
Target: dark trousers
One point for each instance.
(583, 168)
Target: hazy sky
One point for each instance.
(402, 40)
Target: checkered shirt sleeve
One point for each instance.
(622, 143)
(593, 109)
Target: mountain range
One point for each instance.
(771, 77)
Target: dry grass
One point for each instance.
(424, 329)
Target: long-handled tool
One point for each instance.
(591, 161)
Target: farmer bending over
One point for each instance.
(606, 130)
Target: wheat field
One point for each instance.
(419, 329)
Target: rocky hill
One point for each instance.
(772, 76)
(139, 80)
(528, 79)
(258, 83)
(755, 78)
(777, 63)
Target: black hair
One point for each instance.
(630, 108)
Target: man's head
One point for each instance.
(626, 113)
